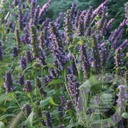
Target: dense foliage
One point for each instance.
(43, 62)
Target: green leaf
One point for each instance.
(47, 101)
(125, 115)
(2, 124)
(3, 97)
(44, 102)
(55, 81)
(51, 101)
(30, 119)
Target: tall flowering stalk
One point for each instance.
(21, 79)
(85, 62)
(124, 44)
(28, 56)
(116, 35)
(34, 41)
(81, 28)
(73, 86)
(56, 34)
(27, 86)
(17, 35)
(27, 109)
(100, 9)
(32, 8)
(60, 57)
(109, 24)
(73, 12)
(97, 60)
(36, 15)
(58, 20)
(15, 51)
(48, 120)
(73, 66)
(20, 23)
(23, 63)
(68, 27)
(103, 54)
(8, 84)
(44, 9)
(87, 17)
(118, 61)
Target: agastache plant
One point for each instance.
(56, 57)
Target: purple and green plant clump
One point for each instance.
(43, 62)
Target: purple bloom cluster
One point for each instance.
(48, 120)
(60, 57)
(44, 8)
(73, 66)
(27, 86)
(8, 84)
(100, 9)
(80, 29)
(23, 63)
(119, 62)
(21, 79)
(28, 56)
(27, 109)
(15, 51)
(116, 35)
(73, 88)
(85, 62)
(97, 60)
(58, 20)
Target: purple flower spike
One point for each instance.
(8, 84)
(23, 63)
(27, 86)
(15, 51)
(48, 120)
